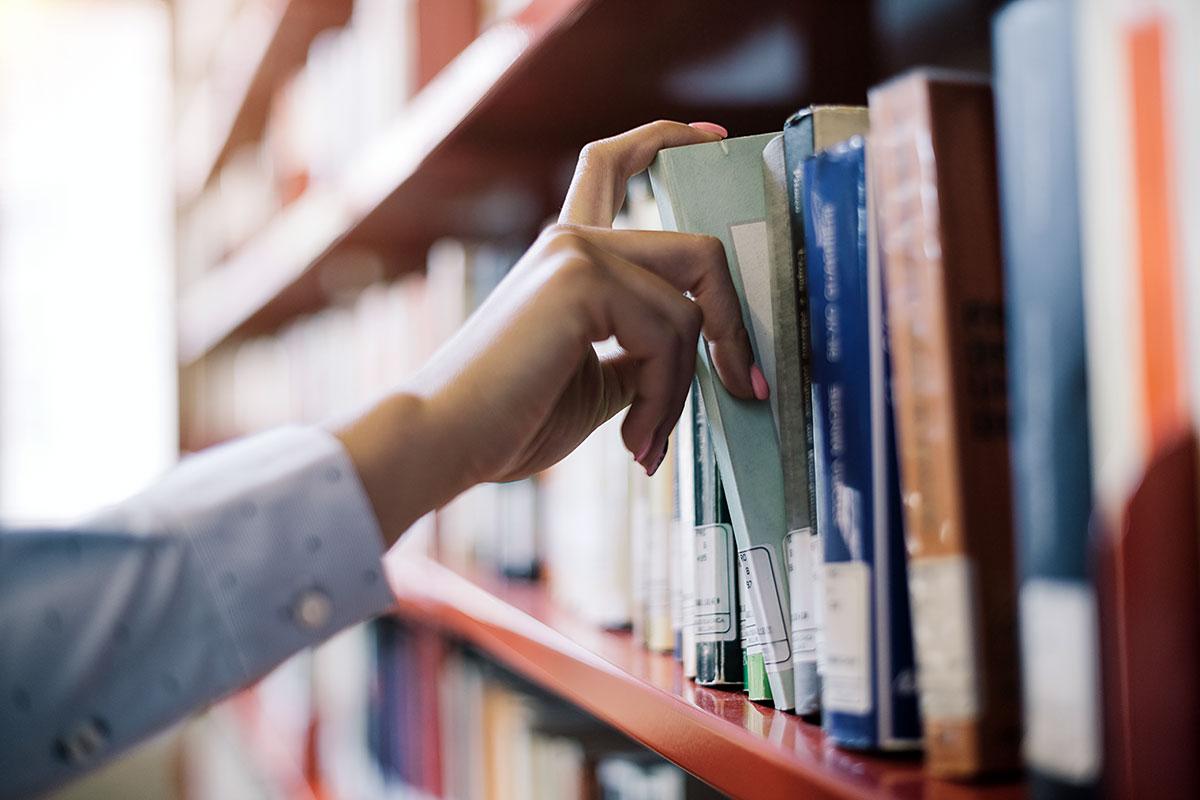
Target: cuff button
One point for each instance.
(312, 609)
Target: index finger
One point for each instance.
(605, 167)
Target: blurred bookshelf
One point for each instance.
(486, 148)
(479, 153)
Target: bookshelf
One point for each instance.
(484, 151)
(718, 736)
(230, 106)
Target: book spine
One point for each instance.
(935, 175)
(798, 145)
(1047, 382)
(789, 394)
(717, 633)
(837, 302)
(684, 588)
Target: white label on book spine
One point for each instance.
(799, 545)
(746, 623)
(1058, 644)
(715, 603)
(847, 680)
(817, 555)
(942, 590)
(758, 571)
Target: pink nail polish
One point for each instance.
(641, 456)
(653, 468)
(759, 383)
(710, 127)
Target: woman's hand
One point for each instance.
(520, 386)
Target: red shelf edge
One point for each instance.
(717, 750)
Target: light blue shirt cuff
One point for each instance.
(286, 538)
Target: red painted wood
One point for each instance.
(742, 748)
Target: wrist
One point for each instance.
(401, 451)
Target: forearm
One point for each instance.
(407, 459)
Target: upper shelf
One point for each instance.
(740, 747)
(264, 45)
(486, 148)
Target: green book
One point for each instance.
(717, 189)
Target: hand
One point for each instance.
(520, 386)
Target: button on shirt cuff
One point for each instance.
(286, 538)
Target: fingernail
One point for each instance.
(653, 468)
(645, 451)
(710, 127)
(759, 383)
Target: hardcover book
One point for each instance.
(868, 687)
(934, 169)
(1034, 57)
(807, 132)
(716, 189)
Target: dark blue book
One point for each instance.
(869, 698)
(1039, 193)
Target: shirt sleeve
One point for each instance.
(238, 558)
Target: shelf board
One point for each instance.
(485, 150)
(740, 747)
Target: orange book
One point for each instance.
(933, 169)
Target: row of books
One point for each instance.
(896, 291)
(448, 723)
(355, 85)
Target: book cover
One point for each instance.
(1048, 401)
(934, 166)
(808, 131)
(1135, 61)
(716, 189)
(868, 686)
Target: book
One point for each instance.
(716, 189)
(787, 378)
(934, 171)
(1136, 60)
(806, 132)
(868, 687)
(684, 532)
(1048, 399)
(715, 617)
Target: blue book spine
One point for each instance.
(1048, 404)
(869, 692)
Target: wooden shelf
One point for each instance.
(262, 48)
(485, 150)
(740, 747)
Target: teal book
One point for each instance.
(717, 189)
(1035, 57)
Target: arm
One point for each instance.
(249, 553)
(239, 558)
